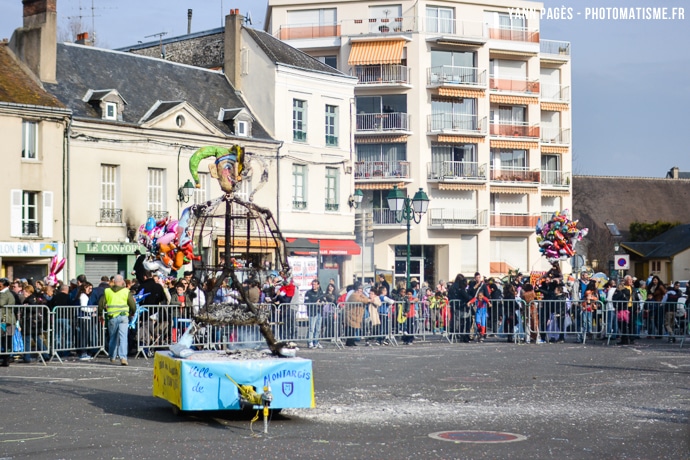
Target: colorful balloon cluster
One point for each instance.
(168, 243)
(558, 236)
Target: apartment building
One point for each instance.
(462, 99)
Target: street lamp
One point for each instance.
(185, 192)
(407, 210)
(355, 199)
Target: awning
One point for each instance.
(515, 144)
(464, 93)
(460, 186)
(378, 185)
(337, 247)
(515, 100)
(459, 139)
(397, 139)
(497, 188)
(376, 52)
(301, 247)
(554, 106)
(553, 149)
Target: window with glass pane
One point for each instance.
(331, 189)
(440, 20)
(456, 160)
(109, 210)
(551, 169)
(30, 213)
(299, 120)
(460, 114)
(505, 158)
(29, 140)
(299, 187)
(156, 186)
(331, 125)
(329, 60)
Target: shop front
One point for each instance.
(335, 257)
(108, 258)
(28, 260)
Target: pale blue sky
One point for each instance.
(631, 78)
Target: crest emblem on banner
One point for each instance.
(288, 388)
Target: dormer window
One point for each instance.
(241, 128)
(110, 111)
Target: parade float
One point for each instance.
(219, 238)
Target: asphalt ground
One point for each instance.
(563, 401)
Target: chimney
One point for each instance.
(83, 39)
(233, 47)
(35, 43)
(189, 21)
(674, 172)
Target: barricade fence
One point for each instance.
(35, 332)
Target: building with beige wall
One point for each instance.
(462, 99)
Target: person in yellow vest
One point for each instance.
(118, 304)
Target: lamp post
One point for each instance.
(185, 192)
(407, 210)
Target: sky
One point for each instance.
(630, 78)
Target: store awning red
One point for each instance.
(337, 247)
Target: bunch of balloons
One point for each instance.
(558, 236)
(168, 243)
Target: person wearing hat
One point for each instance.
(227, 168)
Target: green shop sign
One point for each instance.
(106, 247)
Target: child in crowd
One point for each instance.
(482, 303)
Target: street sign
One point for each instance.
(622, 262)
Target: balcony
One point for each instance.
(454, 76)
(299, 205)
(377, 123)
(382, 75)
(552, 49)
(111, 216)
(514, 129)
(554, 93)
(514, 220)
(332, 207)
(442, 218)
(157, 215)
(456, 171)
(308, 31)
(514, 34)
(378, 171)
(551, 178)
(456, 124)
(30, 228)
(555, 135)
(450, 29)
(384, 217)
(515, 174)
(299, 136)
(514, 85)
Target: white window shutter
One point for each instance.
(47, 221)
(16, 213)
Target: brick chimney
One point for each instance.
(233, 47)
(83, 39)
(35, 43)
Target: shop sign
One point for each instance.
(9, 249)
(113, 247)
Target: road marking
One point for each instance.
(477, 437)
(669, 365)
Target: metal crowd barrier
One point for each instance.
(44, 334)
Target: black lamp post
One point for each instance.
(407, 210)
(185, 192)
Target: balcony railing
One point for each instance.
(384, 74)
(514, 34)
(299, 136)
(555, 178)
(332, 206)
(296, 204)
(305, 31)
(474, 31)
(514, 129)
(456, 170)
(30, 228)
(514, 220)
(554, 48)
(158, 215)
(551, 92)
(381, 122)
(378, 170)
(453, 75)
(513, 85)
(111, 216)
(456, 218)
(456, 123)
(515, 174)
(555, 135)
(384, 216)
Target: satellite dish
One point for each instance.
(248, 18)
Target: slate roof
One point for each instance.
(281, 53)
(664, 246)
(624, 200)
(17, 87)
(141, 81)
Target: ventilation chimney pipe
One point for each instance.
(189, 21)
